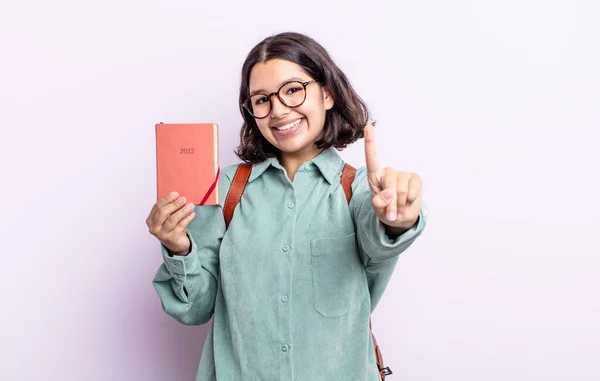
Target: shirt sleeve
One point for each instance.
(375, 246)
(187, 285)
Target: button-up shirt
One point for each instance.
(291, 283)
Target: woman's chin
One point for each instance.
(307, 149)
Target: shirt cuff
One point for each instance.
(180, 266)
(389, 248)
(410, 234)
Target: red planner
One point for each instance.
(187, 161)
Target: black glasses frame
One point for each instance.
(248, 108)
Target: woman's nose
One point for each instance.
(278, 109)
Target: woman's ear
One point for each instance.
(328, 98)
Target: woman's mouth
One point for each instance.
(288, 128)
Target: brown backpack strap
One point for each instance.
(347, 178)
(234, 195)
(383, 370)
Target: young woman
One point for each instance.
(291, 283)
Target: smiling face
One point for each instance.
(293, 131)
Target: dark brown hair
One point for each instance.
(344, 123)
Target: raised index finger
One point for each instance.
(371, 150)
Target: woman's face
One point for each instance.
(292, 130)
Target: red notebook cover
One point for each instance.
(187, 161)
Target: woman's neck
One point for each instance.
(291, 161)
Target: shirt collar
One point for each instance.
(328, 162)
(259, 168)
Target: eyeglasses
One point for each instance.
(291, 94)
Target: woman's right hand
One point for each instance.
(168, 220)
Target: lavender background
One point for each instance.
(494, 103)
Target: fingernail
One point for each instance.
(386, 196)
(181, 200)
(174, 194)
(391, 216)
(399, 216)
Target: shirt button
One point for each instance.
(285, 348)
(286, 248)
(307, 167)
(291, 205)
(284, 298)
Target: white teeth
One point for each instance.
(289, 125)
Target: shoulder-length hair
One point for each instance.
(344, 123)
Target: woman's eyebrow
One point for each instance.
(280, 84)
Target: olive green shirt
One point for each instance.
(291, 284)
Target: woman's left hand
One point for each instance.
(397, 195)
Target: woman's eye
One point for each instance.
(294, 89)
(261, 100)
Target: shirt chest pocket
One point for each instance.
(338, 275)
